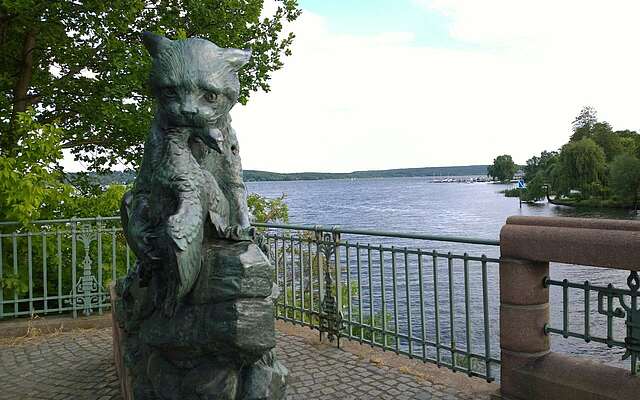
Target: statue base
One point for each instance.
(218, 345)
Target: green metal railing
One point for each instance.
(395, 291)
(60, 266)
(625, 317)
(432, 298)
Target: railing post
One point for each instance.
(524, 312)
(101, 297)
(74, 248)
(335, 236)
(320, 263)
(330, 302)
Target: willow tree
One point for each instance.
(80, 64)
(583, 166)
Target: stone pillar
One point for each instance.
(529, 370)
(524, 311)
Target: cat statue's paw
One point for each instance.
(240, 234)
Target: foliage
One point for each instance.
(583, 123)
(12, 282)
(82, 64)
(515, 192)
(268, 210)
(369, 321)
(610, 142)
(539, 172)
(33, 187)
(469, 362)
(539, 165)
(374, 335)
(535, 189)
(583, 167)
(625, 177)
(596, 168)
(630, 141)
(29, 177)
(100, 202)
(502, 168)
(586, 125)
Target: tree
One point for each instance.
(630, 141)
(535, 189)
(268, 210)
(538, 173)
(625, 177)
(583, 123)
(582, 165)
(29, 181)
(539, 165)
(81, 64)
(610, 142)
(502, 168)
(32, 186)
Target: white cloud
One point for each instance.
(345, 102)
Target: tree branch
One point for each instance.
(84, 142)
(30, 98)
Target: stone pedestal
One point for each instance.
(524, 311)
(219, 344)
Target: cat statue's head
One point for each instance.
(195, 82)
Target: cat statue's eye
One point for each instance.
(210, 97)
(169, 93)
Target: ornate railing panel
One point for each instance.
(613, 303)
(60, 266)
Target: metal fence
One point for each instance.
(60, 266)
(601, 314)
(417, 295)
(431, 298)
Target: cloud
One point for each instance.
(524, 69)
(550, 24)
(348, 102)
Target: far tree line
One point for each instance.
(598, 166)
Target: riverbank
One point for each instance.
(593, 203)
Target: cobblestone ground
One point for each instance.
(78, 365)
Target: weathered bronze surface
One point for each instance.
(195, 317)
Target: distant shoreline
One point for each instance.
(433, 172)
(250, 175)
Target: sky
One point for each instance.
(379, 84)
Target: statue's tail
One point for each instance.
(189, 266)
(185, 228)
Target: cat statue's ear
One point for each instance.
(237, 58)
(155, 44)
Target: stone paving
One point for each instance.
(78, 365)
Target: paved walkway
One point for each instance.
(78, 365)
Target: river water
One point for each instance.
(475, 210)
